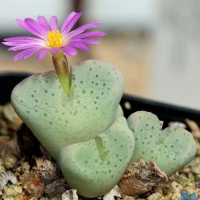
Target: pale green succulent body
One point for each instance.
(58, 120)
(170, 149)
(87, 133)
(98, 163)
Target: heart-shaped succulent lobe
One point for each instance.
(170, 149)
(56, 119)
(95, 167)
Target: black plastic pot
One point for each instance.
(130, 104)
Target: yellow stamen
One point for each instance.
(54, 38)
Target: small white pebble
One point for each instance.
(5, 177)
(177, 124)
(70, 195)
(112, 194)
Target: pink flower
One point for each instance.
(49, 38)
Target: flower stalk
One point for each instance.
(62, 70)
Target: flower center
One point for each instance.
(54, 38)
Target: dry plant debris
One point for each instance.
(35, 174)
(140, 177)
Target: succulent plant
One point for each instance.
(56, 119)
(170, 149)
(74, 112)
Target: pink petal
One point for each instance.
(79, 46)
(82, 29)
(54, 23)
(24, 46)
(69, 51)
(90, 34)
(55, 50)
(85, 41)
(22, 39)
(69, 22)
(42, 54)
(43, 23)
(25, 26)
(35, 26)
(25, 53)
